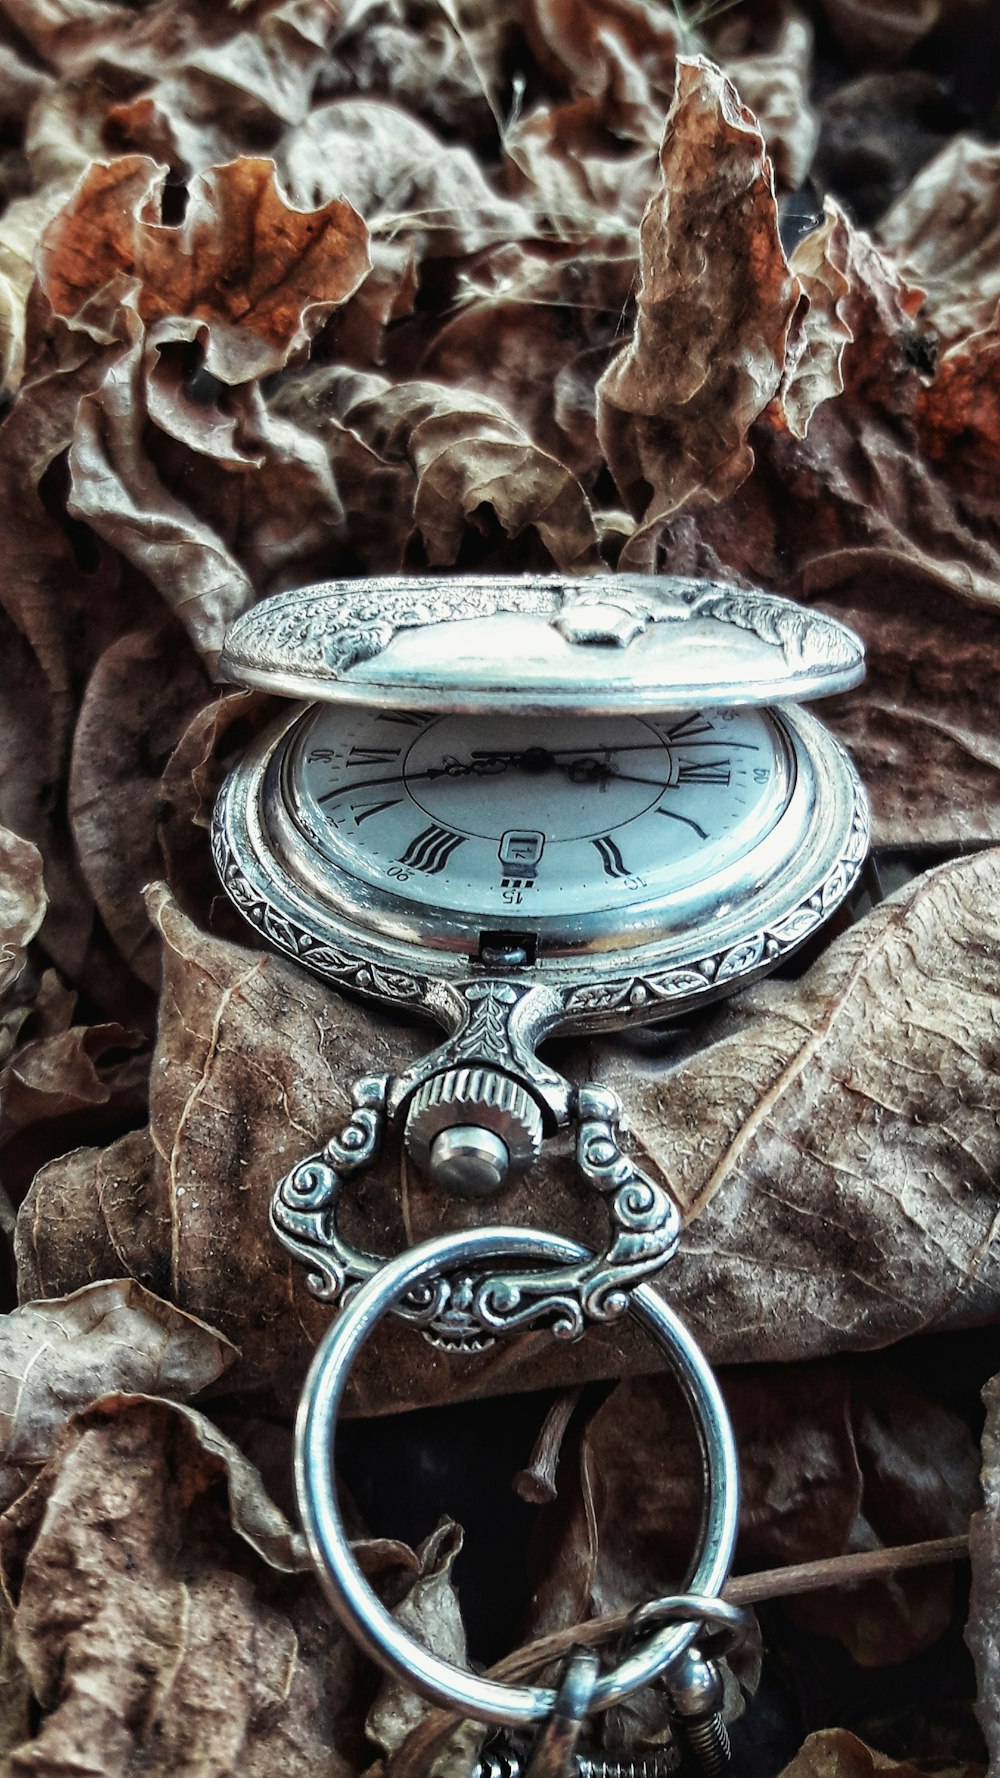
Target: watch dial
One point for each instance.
(536, 818)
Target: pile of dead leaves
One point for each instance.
(291, 290)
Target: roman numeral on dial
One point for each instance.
(611, 858)
(704, 771)
(362, 811)
(431, 850)
(373, 756)
(688, 727)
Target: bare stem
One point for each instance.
(748, 1589)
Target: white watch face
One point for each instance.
(513, 818)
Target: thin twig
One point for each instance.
(746, 1589)
(537, 1483)
(844, 1571)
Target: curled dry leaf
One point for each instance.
(621, 53)
(876, 512)
(448, 458)
(155, 1636)
(62, 609)
(21, 228)
(960, 414)
(820, 332)
(582, 188)
(214, 738)
(405, 182)
(713, 309)
(22, 903)
(109, 1216)
(440, 59)
(834, 1148)
(429, 1612)
(202, 504)
(71, 1083)
(246, 270)
(57, 1357)
(944, 234)
(836, 1753)
(131, 717)
(983, 1629)
(15, 1690)
(215, 84)
(541, 352)
(775, 86)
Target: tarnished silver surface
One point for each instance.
(696, 1692)
(509, 1762)
(722, 1626)
(430, 1267)
(593, 972)
(541, 644)
(481, 1097)
(510, 880)
(469, 1313)
(554, 1753)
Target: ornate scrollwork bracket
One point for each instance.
(468, 1313)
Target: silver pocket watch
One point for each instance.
(524, 808)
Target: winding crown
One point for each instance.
(472, 1129)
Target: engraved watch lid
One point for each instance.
(538, 645)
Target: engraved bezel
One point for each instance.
(383, 946)
(541, 645)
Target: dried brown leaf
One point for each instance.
(217, 81)
(453, 462)
(131, 716)
(94, 1214)
(714, 308)
(834, 1456)
(960, 414)
(541, 356)
(22, 903)
(944, 234)
(774, 84)
(821, 332)
(620, 52)
(15, 1690)
(21, 229)
(65, 601)
(429, 1612)
(208, 501)
(85, 1069)
(213, 740)
(569, 166)
(57, 1357)
(406, 183)
(901, 543)
(250, 274)
(155, 1639)
(836, 1753)
(834, 1147)
(983, 1629)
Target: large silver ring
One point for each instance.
(358, 1608)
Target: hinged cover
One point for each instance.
(540, 645)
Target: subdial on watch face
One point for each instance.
(536, 818)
